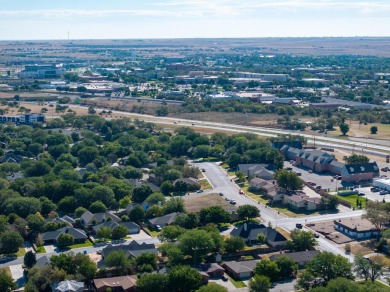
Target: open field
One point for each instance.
(197, 203)
(363, 248)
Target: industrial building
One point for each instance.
(42, 71)
(27, 119)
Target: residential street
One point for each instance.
(221, 183)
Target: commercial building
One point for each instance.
(357, 228)
(261, 76)
(382, 183)
(42, 71)
(27, 119)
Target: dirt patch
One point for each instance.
(364, 247)
(197, 203)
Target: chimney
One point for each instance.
(245, 226)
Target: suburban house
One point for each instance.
(89, 219)
(357, 228)
(163, 220)
(264, 186)
(302, 202)
(215, 270)
(359, 172)
(256, 170)
(10, 157)
(145, 206)
(64, 219)
(301, 258)
(122, 284)
(133, 228)
(51, 237)
(249, 232)
(69, 286)
(240, 270)
(193, 183)
(134, 248)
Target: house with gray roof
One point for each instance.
(164, 220)
(240, 270)
(256, 170)
(133, 248)
(89, 219)
(133, 228)
(69, 286)
(301, 258)
(52, 236)
(250, 231)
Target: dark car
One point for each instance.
(221, 194)
(316, 235)
(224, 278)
(361, 194)
(298, 225)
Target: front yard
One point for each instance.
(237, 283)
(80, 245)
(353, 200)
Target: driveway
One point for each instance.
(17, 275)
(140, 236)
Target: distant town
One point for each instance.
(195, 165)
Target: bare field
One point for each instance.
(205, 201)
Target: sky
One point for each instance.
(129, 19)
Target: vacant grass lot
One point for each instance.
(353, 200)
(363, 248)
(205, 185)
(204, 201)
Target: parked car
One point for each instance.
(221, 194)
(383, 193)
(298, 225)
(240, 192)
(361, 194)
(158, 227)
(233, 202)
(224, 278)
(316, 235)
(203, 170)
(318, 187)
(227, 199)
(375, 190)
(199, 191)
(99, 251)
(299, 174)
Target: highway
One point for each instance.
(368, 148)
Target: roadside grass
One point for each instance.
(80, 245)
(153, 233)
(238, 283)
(205, 185)
(352, 199)
(21, 252)
(7, 270)
(363, 248)
(377, 283)
(41, 249)
(284, 232)
(225, 166)
(258, 196)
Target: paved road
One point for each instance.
(217, 176)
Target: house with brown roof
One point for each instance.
(122, 284)
(267, 187)
(302, 202)
(357, 228)
(301, 258)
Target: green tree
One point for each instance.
(156, 198)
(7, 284)
(356, 158)
(259, 284)
(153, 283)
(137, 213)
(214, 214)
(368, 269)
(261, 238)
(10, 242)
(212, 287)
(344, 128)
(184, 278)
(196, 243)
(146, 258)
(118, 261)
(170, 233)
(64, 240)
(323, 268)
(175, 204)
(286, 265)
(35, 223)
(374, 129)
(141, 193)
(104, 232)
(268, 269)
(119, 232)
(97, 207)
(234, 244)
(288, 180)
(343, 285)
(30, 259)
(301, 240)
(248, 212)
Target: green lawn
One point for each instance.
(237, 284)
(225, 166)
(205, 185)
(352, 200)
(80, 245)
(41, 249)
(21, 252)
(152, 232)
(7, 270)
(255, 195)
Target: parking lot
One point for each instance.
(319, 179)
(373, 196)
